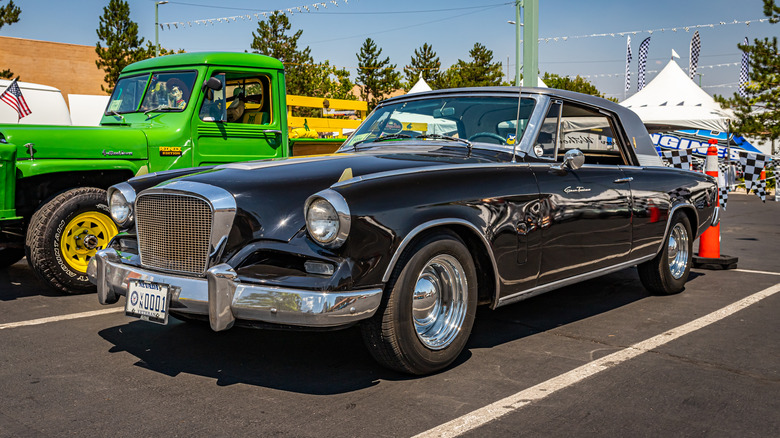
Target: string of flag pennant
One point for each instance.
(751, 165)
(651, 31)
(243, 17)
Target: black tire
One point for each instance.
(391, 335)
(665, 276)
(9, 256)
(60, 222)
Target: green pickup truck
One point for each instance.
(171, 112)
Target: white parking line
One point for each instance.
(748, 271)
(514, 402)
(61, 318)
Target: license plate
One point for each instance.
(147, 301)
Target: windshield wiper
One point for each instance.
(161, 108)
(382, 138)
(447, 137)
(114, 113)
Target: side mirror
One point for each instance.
(213, 84)
(572, 160)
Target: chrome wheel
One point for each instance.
(677, 251)
(439, 302)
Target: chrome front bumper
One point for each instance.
(224, 298)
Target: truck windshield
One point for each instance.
(488, 119)
(168, 91)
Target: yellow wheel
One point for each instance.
(83, 236)
(65, 233)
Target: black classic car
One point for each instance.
(440, 202)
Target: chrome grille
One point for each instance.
(174, 232)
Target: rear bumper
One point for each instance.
(225, 299)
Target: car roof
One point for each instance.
(635, 129)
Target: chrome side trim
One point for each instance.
(538, 290)
(435, 223)
(419, 170)
(225, 299)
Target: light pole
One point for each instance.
(157, 28)
(530, 41)
(518, 64)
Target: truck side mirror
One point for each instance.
(213, 84)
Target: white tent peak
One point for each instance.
(420, 86)
(673, 101)
(539, 83)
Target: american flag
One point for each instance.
(695, 49)
(628, 63)
(743, 71)
(13, 97)
(642, 64)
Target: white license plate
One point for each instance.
(147, 301)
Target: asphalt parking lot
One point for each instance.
(603, 358)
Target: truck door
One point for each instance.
(243, 121)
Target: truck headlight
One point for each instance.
(120, 203)
(327, 218)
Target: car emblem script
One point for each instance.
(577, 189)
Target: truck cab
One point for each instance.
(172, 112)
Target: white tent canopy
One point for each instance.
(420, 86)
(673, 101)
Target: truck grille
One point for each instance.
(174, 232)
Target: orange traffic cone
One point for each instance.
(709, 243)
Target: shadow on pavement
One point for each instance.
(334, 362)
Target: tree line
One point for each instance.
(758, 111)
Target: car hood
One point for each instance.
(270, 194)
(83, 142)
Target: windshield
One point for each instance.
(170, 90)
(477, 119)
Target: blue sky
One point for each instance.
(450, 26)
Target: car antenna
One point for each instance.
(517, 120)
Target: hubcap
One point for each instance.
(83, 236)
(439, 302)
(677, 251)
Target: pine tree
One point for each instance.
(122, 44)
(376, 77)
(9, 14)
(481, 71)
(578, 84)
(758, 113)
(425, 63)
(303, 76)
(273, 40)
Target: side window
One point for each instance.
(544, 147)
(244, 98)
(591, 132)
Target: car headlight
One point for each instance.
(327, 218)
(120, 203)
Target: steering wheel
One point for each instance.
(501, 140)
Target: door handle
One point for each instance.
(624, 180)
(272, 131)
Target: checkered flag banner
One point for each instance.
(678, 158)
(723, 189)
(752, 165)
(628, 63)
(640, 81)
(13, 97)
(761, 189)
(695, 49)
(744, 71)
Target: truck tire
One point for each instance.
(65, 233)
(9, 256)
